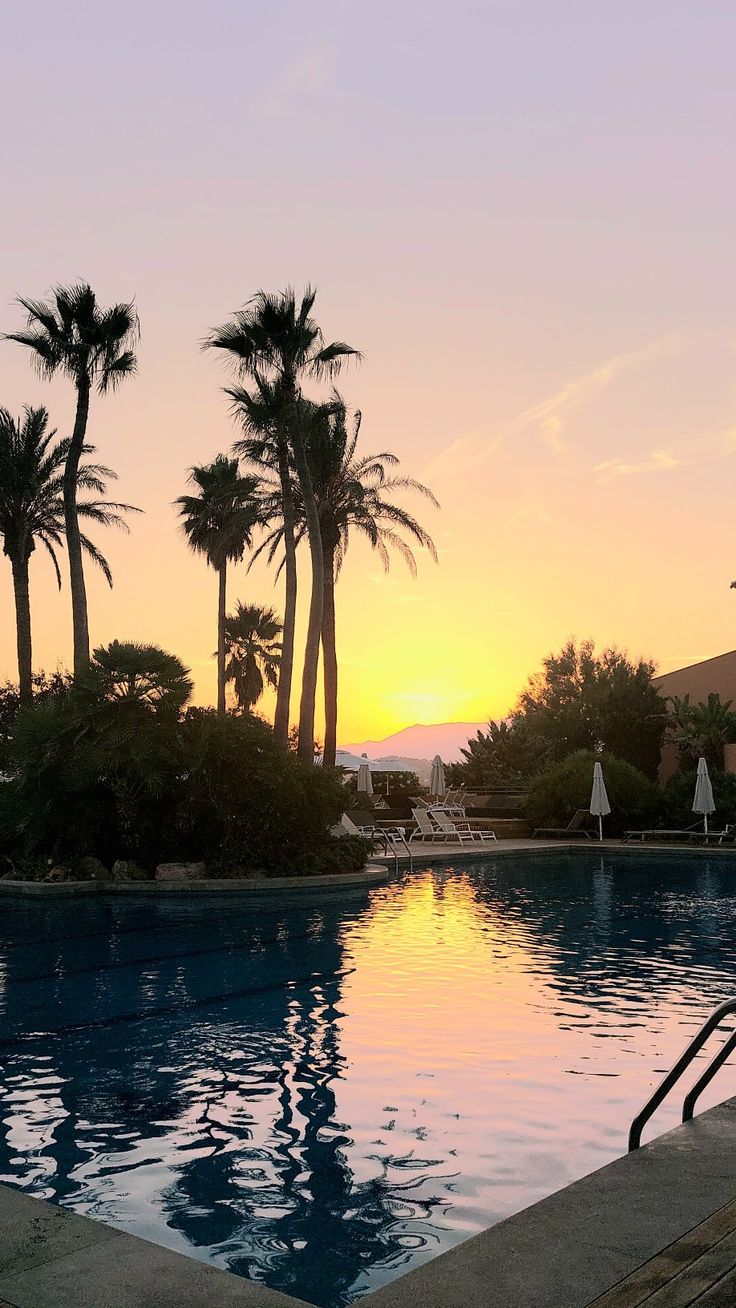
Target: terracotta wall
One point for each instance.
(711, 677)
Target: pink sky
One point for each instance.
(522, 213)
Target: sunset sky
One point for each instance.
(522, 213)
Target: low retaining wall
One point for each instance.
(373, 875)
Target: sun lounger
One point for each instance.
(426, 829)
(462, 831)
(574, 828)
(688, 835)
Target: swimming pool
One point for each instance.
(321, 1091)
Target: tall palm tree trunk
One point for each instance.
(80, 626)
(305, 748)
(23, 628)
(286, 669)
(329, 659)
(221, 607)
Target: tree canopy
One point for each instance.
(580, 700)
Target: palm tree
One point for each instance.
(146, 676)
(251, 640)
(351, 493)
(32, 466)
(93, 347)
(266, 447)
(218, 522)
(275, 337)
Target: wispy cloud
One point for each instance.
(658, 461)
(531, 513)
(547, 419)
(295, 85)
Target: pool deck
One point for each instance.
(656, 1226)
(423, 852)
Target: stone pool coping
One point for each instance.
(560, 1253)
(375, 873)
(372, 875)
(436, 852)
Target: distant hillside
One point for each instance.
(422, 741)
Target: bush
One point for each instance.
(557, 793)
(92, 774)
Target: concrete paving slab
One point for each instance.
(51, 1258)
(33, 1232)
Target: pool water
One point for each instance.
(321, 1091)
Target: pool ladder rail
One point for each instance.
(394, 841)
(726, 1009)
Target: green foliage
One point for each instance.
(144, 675)
(31, 500)
(701, 730)
(506, 755)
(253, 651)
(45, 686)
(676, 804)
(218, 521)
(558, 792)
(583, 700)
(72, 335)
(247, 802)
(105, 773)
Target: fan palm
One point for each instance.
(146, 676)
(218, 521)
(73, 336)
(351, 493)
(265, 446)
(275, 337)
(32, 466)
(251, 640)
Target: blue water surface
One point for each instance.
(321, 1090)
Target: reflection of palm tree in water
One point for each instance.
(311, 1231)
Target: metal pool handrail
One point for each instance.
(392, 839)
(726, 1009)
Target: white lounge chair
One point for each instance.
(462, 831)
(426, 829)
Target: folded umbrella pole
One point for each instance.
(437, 786)
(703, 801)
(599, 805)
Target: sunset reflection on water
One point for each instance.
(321, 1093)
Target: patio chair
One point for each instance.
(462, 831)
(426, 829)
(574, 827)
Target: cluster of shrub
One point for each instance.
(119, 767)
(585, 707)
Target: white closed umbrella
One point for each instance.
(365, 785)
(703, 801)
(599, 805)
(437, 778)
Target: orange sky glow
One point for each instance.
(523, 218)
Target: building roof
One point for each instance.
(699, 680)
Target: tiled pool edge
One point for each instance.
(560, 1253)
